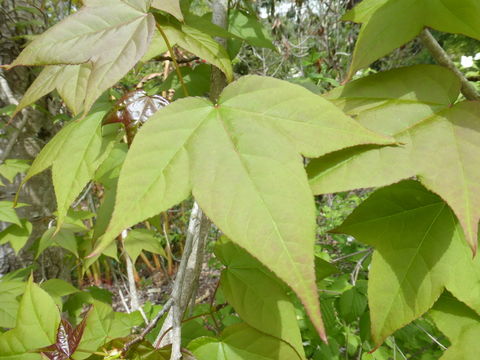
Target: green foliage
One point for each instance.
(431, 132)
(399, 21)
(241, 342)
(229, 157)
(253, 161)
(419, 251)
(36, 325)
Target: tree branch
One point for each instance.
(442, 58)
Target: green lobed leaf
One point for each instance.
(111, 45)
(239, 342)
(241, 158)
(74, 154)
(399, 21)
(138, 240)
(37, 322)
(257, 295)
(419, 251)
(16, 235)
(439, 140)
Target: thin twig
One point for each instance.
(442, 58)
(350, 255)
(433, 338)
(149, 327)
(179, 61)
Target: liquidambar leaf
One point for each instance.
(74, 155)
(440, 141)
(460, 324)
(111, 45)
(242, 160)
(419, 251)
(37, 322)
(399, 21)
(239, 342)
(258, 297)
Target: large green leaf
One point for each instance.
(395, 22)
(240, 342)
(419, 251)
(74, 155)
(460, 324)
(440, 141)
(37, 322)
(111, 46)
(257, 296)
(242, 159)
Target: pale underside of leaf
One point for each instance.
(169, 6)
(111, 45)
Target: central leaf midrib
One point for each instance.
(240, 159)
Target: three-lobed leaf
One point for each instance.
(399, 21)
(419, 251)
(241, 159)
(439, 140)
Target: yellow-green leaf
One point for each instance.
(241, 158)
